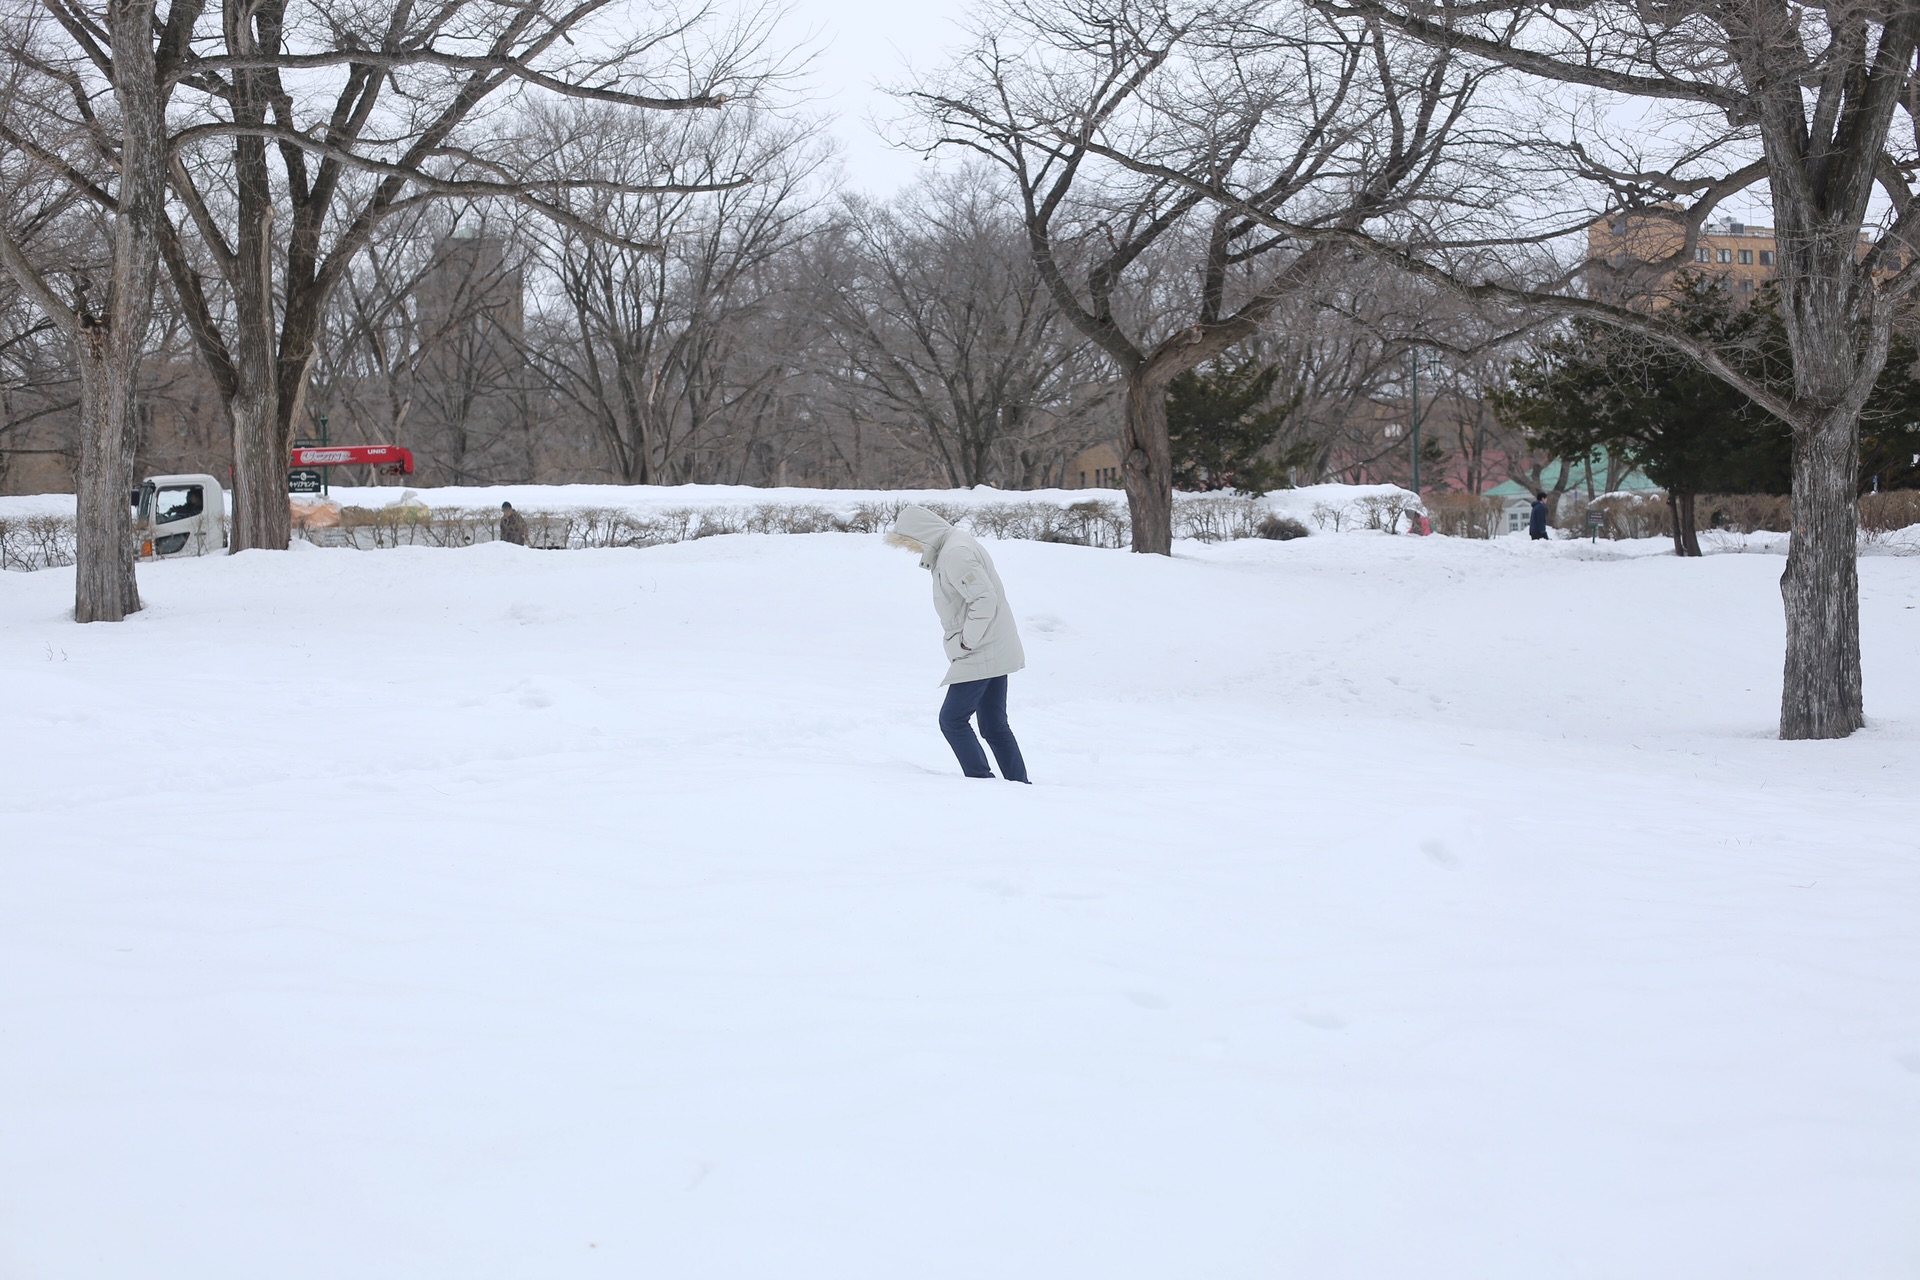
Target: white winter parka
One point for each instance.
(977, 624)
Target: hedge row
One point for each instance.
(1092, 524)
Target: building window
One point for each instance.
(1703, 255)
(1746, 286)
(1766, 257)
(1726, 255)
(1746, 257)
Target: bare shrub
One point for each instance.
(1003, 520)
(1280, 529)
(1330, 513)
(1099, 524)
(37, 542)
(872, 517)
(1746, 512)
(1384, 511)
(1216, 518)
(1622, 515)
(715, 521)
(789, 517)
(1883, 513)
(1467, 515)
(1092, 524)
(383, 527)
(455, 528)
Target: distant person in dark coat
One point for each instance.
(513, 525)
(1537, 519)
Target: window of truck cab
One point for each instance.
(178, 502)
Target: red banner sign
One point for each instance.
(390, 458)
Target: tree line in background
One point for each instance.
(782, 333)
(546, 240)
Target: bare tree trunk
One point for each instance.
(1839, 335)
(1147, 465)
(261, 516)
(104, 586)
(1820, 690)
(1686, 528)
(110, 342)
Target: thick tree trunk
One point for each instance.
(1147, 465)
(1686, 528)
(261, 516)
(104, 586)
(109, 344)
(262, 519)
(1839, 335)
(1820, 694)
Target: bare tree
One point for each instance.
(655, 349)
(1321, 121)
(944, 327)
(83, 112)
(1673, 111)
(39, 394)
(312, 126)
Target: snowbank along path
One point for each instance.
(1385, 908)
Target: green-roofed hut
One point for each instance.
(1586, 475)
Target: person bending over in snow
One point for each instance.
(513, 525)
(983, 645)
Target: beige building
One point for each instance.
(1730, 250)
(1095, 467)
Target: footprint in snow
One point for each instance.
(1322, 1021)
(1045, 624)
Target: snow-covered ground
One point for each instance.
(1386, 907)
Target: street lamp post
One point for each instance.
(1431, 358)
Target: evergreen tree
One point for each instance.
(1890, 424)
(1592, 386)
(1220, 419)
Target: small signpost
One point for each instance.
(1595, 519)
(308, 480)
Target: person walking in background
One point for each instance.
(983, 645)
(1537, 518)
(513, 526)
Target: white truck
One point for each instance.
(183, 515)
(186, 515)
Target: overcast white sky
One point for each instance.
(863, 44)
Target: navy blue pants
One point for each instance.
(986, 699)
